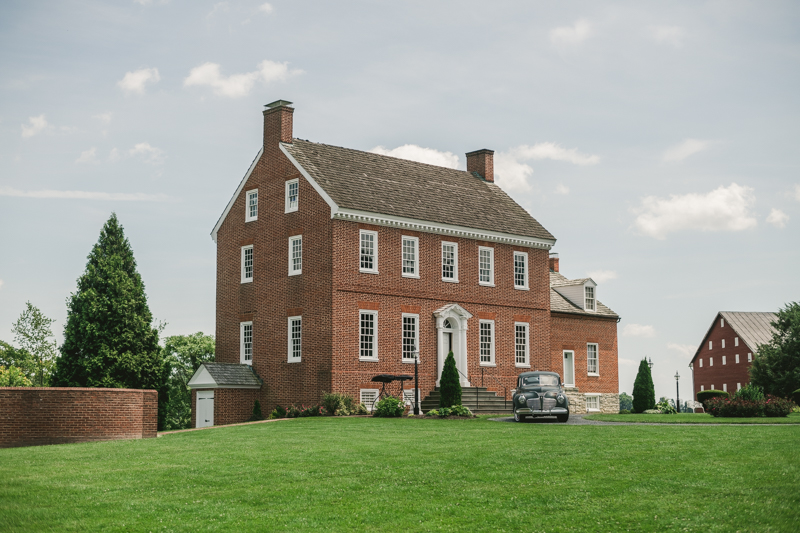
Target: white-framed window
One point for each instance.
(368, 335)
(251, 209)
(292, 195)
(723, 343)
(738, 386)
(725, 387)
(521, 270)
(521, 344)
(247, 263)
(736, 341)
(450, 261)
(701, 362)
(749, 357)
(368, 397)
(724, 360)
(295, 255)
(246, 343)
(702, 388)
(737, 358)
(486, 342)
(408, 397)
(712, 387)
(486, 266)
(368, 251)
(410, 336)
(710, 345)
(592, 359)
(721, 324)
(589, 298)
(710, 361)
(592, 402)
(410, 257)
(295, 336)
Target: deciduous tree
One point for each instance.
(33, 334)
(18, 358)
(109, 340)
(184, 354)
(776, 366)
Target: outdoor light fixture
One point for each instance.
(677, 391)
(650, 363)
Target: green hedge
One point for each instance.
(705, 395)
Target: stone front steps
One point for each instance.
(477, 399)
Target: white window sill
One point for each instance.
(522, 288)
(247, 280)
(520, 365)
(367, 271)
(593, 410)
(415, 276)
(450, 280)
(250, 362)
(568, 384)
(410, 361)
(485, 284)
(368, 359)
(294, 360)
(488, 364)
(291, 210)
(593, 374)
(251, 219)
(296, 273)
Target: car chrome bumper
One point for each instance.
(552, 412)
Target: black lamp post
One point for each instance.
(416, 383)
(650, 363)
(677, 391)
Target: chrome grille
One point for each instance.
(535, 404)
(548, 404)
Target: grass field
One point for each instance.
(692, 418)
(363, 474)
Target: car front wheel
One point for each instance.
(563, 418)
(518, 417)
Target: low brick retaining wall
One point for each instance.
(33, 416)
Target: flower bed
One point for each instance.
(771, 406)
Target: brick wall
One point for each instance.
(231, 406)
(731, 373)
(574, 332)
(32, 416)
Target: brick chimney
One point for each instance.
(481, 162)
(277, 124)
(553, 262)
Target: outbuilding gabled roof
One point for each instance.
(374, 183)
(754, 328)
(225, 376)
(559, 304)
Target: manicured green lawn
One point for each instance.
(693, 418)
(363, 474)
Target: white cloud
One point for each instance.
(105, 118)
(575, 34)
(723, 209)
(37, 125)
(513, 174)
(601, 276)
(777, 218)
(562, 189)
(671, 35)
(419, 154)
(638, 330)
(685, 349)
(237, 85)
(681, 151)
(135, 81)
(85, 195)
(150, 154)
(88, 156)
(266, 8)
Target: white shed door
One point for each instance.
(205, 408)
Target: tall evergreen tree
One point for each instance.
(776, 367)
(109, 340)
(449, 384)
(644, 392)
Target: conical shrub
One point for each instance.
(449, 384)
(644, 393)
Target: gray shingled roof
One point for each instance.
(754, 328)
(559, 304)
(387, 185)
(229, 374)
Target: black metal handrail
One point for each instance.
(500, 383)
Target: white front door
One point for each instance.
(569, 368)
(205, 408)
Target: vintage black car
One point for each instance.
(540, 394)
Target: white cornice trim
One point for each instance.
(235, 195)
(364, 217)
(312, 181)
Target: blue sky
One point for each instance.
(657, 142)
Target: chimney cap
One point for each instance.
(278, 103)
(481, 151)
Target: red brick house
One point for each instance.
(335, 265)
(723, 359)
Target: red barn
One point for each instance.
(335, 265)
(722, 362)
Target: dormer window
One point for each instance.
(292, 195)
(589, 298)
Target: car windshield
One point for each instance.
(542, 379)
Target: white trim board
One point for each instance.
(236, 194)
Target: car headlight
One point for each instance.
(521, 399)
(561, 398)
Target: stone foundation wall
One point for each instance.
(609, 402)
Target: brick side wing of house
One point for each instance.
(723, 359)
(336, 265)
